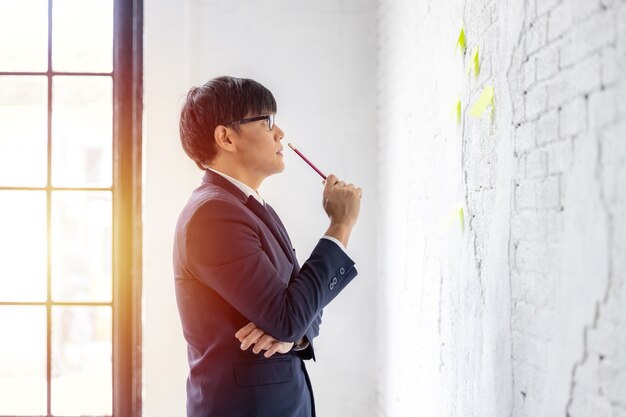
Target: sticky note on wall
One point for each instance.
(460, 43)
(476, 62)
(484, 101)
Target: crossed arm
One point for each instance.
(251, 335)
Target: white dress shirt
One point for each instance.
(248, 191)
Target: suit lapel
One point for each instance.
(280, 224)
(265, 214)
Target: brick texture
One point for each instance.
(519, 312)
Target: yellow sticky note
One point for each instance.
(460, 43)
(462, 218)
(485, 100)
(457, 110)
(476, 62)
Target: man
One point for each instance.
(238, 282)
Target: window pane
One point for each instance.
(23, 360)
(82, 35)
(24, 34)
(81, 361)
(23, 130)
(82, 127)
(81, 246)
(23, 246)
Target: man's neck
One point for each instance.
(238, 174)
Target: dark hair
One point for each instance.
(220, 101)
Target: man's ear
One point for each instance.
(224, 138)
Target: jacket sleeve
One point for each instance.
(224, 252)
(312, 332)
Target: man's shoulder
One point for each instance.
(209, 197)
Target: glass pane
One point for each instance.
(81, 361)
(82, 35)
(23, 246)
(82, 128)
(23, 360)
(23, 130)
(81, 246)
(24, 34)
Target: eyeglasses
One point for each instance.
(270, 120)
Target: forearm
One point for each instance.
(340, 231)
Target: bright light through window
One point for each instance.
(56, 205)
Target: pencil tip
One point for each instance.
(291, 146)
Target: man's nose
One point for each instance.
(279, 132)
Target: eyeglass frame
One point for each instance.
(269, 117)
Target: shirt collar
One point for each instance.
(245, 188)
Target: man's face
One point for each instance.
(259, 149)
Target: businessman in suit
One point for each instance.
(249, 311)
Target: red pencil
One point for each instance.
(307, 161)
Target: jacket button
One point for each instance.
(331, 286)
(334, 281)
(342, 270)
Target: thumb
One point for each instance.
(330, 180)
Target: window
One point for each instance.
(70, 207)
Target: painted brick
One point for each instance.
(529, 70)
(588, 404)
(520, 168)
(522, 285)
(561, 20)
(537, 35)
(610, 69)
(573, 117)
(525, 195)
(536, 256)
(518, 109)
(621, 105)
(541, 194)
(603, 105)
(548, 127)
(526, 230)
(536, 101)
(548, 193)
(560, 156)
(536, 164)
(545, 6)
(525, 137)
(576, 80)
(539, 288)
(547, 62)
(589, 36)
(537, 225)
(613, 141)
(585, 9)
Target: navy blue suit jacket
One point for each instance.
(234, 263)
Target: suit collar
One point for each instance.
(247, 190)
(214, 178)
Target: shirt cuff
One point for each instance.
(337, 241)
(304, 345)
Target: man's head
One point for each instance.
(213, 128)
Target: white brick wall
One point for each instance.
(521, 312)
